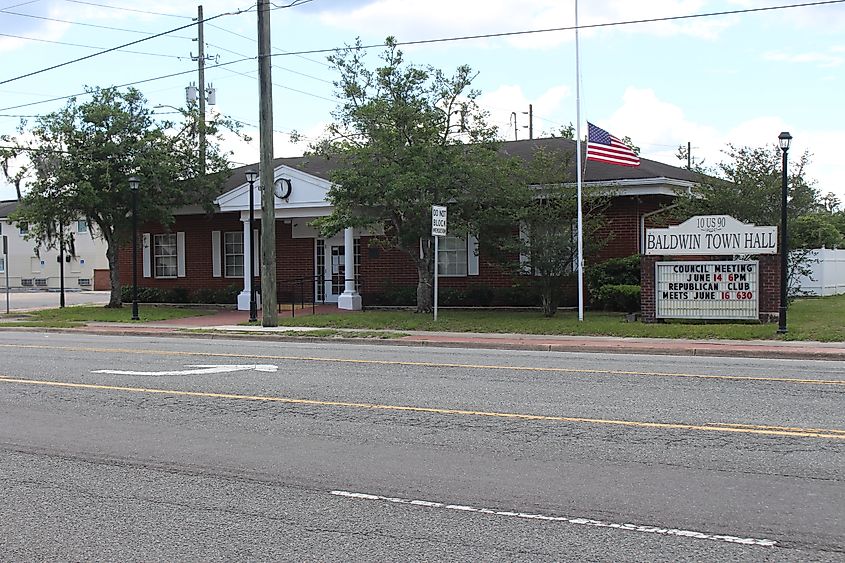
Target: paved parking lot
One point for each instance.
(29, 300)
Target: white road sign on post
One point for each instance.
(438, 220)
(438, 229)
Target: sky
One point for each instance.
(737, 78)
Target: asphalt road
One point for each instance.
(119, 448)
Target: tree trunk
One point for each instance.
(425, 277)
(116, 299)
(549, 297)
(549, 304)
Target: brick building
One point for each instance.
(202, 251)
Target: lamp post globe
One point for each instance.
(783, 142)
(251, 177)
(134, 185)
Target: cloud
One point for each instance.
(659, 127)
(446, 18)
(834, 57)
(507, 99)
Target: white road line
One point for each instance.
(200, 370)
(577, 521)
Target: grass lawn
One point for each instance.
(73, 316)
(809, 319)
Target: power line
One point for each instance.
(95, 26)
(441, 40)
(334, 100)
(129, 9)
(87, 46)
(274, 66)
(253, 40)
(571, 28)
(145, 80)
(92, 55)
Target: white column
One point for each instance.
(243, 296)
(349, 299)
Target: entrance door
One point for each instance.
(337, 276)
(330, 265)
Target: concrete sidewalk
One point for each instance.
(225, 324)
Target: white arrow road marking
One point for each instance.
(200, 370)
(569, 520)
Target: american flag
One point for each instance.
(604, 147)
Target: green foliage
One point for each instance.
(543, 203)
(407, 137)
(481, 295)
(748, 187)
(815, 231)
(80, 158)
(618, 297)
(179, 295)
(615, 271)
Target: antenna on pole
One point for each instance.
(530, 126)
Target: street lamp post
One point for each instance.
(783, 140)
(134, 184)
(251, 177)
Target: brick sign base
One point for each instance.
(769, 283)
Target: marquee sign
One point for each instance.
(707, 290)
(711, 235)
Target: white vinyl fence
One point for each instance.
(828, 273)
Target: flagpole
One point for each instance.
(578, 169)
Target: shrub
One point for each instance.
(399, 295)
(516, 296)
(479, 296)
(618, 297)
(616, 271)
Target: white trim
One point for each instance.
(216, 262)
(256, 256)
(145, 256)
(472, 256)
(180, 254)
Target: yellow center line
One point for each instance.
(790, 380)
(762, 430)
(763, 426)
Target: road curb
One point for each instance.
(715, 350)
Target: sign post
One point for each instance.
(438, 229)
(6, 268)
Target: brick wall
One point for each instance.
(379, 268)
(621, 233)
(197, 229)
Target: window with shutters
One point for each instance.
(233, 254)
(165, 256)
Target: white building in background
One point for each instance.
(29, 269)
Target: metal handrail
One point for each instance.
(299, 291)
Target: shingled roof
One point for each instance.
(322, 167)
(7, 206)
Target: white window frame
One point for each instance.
(449, 246)
(2, 264)
(157, 255)
(82, 226)
(228, 256)
(23, 229)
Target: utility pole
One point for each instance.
(513, 118)
(270, 314)
(530, 126)
(689, 155)
(201, 63)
